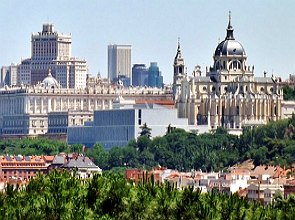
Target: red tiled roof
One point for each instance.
(159, 102)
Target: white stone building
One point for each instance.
(52, 50)
(24, 110)
(229, 95)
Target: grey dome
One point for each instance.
(50, 81)
(230, 47)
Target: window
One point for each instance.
(139, 113)
(271, 89)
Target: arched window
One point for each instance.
(234, 65)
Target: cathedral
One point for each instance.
(229, 95)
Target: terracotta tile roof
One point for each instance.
(290, 182)
(264, 170)
(153, 101)
(49, 158)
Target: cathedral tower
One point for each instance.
(179, 72)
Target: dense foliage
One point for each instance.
(29, 146)
(289, 93)
(59, 195)
(273, 143)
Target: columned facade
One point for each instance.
(24, 110)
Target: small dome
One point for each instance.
(230, 47)
(50, 81)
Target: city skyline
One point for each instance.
(264, 28)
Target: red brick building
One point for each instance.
(23, 168)
(138, 175)
(289, 188)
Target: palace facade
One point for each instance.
(229, 95)
(24, 110)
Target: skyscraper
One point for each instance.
(52, 50)
(119, 61)
(8, 75)
(139, 75)
(155, 79)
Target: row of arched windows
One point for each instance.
(233, 65)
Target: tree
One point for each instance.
(77, 148)
(145, 131)
(99, 155)
(143, 142)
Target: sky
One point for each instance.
(265, 28)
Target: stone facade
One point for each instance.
(229, 95)
(24, 110)
(52, 50)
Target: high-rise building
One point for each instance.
(139, 75)
(52, 50)
(8, 75)
(155, 79)
(119, 61)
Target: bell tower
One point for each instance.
(179, 72)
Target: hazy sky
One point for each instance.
(266, 29)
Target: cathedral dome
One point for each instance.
(230, 46)
(50, 81)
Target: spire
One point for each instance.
(178, 53)
(229, 21)
(178, 45)
(49, 72)
(229, 30)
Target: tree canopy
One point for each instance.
(60, 195)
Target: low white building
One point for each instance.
(264, 192)
(116, 127)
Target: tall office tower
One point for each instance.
(119, 61)
(52, 50)
(8, 75)
(155, 79)
(139, 75)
